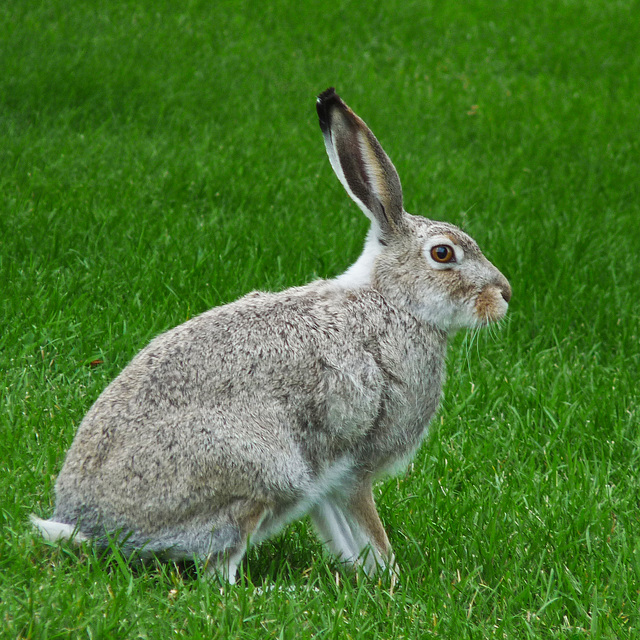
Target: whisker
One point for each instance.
(471, 339)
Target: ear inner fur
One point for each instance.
(382, 176)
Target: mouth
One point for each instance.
(491, 305)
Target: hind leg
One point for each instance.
(247, 519)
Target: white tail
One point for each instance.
(52, 530)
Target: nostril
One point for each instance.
(506, 293)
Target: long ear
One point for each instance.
(360, 162)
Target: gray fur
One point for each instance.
(228, 426)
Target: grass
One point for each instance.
(157, 159)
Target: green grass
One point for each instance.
(158, 158)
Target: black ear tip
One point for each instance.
(327, 94)
(324, 102)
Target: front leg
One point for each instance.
(349, 525)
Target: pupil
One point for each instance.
(442, 252)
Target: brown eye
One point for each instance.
(443, 253)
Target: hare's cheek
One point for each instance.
(490, 305)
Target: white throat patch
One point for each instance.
(359, 274)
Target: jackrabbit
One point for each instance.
(233, 424)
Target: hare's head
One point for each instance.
(431, 268)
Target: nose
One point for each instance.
(505, 290)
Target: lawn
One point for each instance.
(161, 158)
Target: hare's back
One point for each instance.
(283, 346)
(307, 354)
